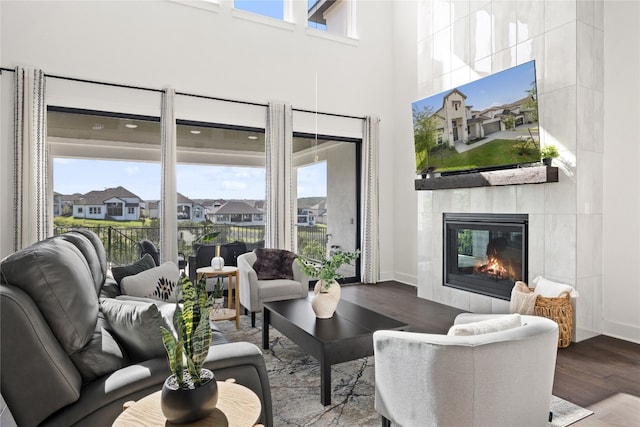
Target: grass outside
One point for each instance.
(60, 221)
(494, 153)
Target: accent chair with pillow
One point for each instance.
(269, 275)
(146, 246)
(73, 350)
(488, 370)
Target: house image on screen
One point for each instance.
(452, 119)
(459, 123)
(116, 203)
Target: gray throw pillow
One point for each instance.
(136, 326)
(102, 355)
(122, 271)
(274, 264)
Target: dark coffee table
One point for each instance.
(348, 335)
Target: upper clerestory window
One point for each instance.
(333, 16)
(271, 8)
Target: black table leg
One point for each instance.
(325, 381)
(266, 318)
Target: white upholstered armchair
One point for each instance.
(500, 378)
(254, 291)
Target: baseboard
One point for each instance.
(580, 334)
(407, 279)
(622, 331)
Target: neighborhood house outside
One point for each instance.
(120, 204)
(127, 219)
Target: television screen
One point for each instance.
(490, 123)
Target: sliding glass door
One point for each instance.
(327, 197)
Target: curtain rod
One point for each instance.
(73, 79)
(328, 114)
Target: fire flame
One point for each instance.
(493, 267)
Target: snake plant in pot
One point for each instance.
(191, 392)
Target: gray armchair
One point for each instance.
(499, 378)
(253, 292)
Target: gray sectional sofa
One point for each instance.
(63, 364)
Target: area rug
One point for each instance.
(295, 385)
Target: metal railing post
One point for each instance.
(109, 244)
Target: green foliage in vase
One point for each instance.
(208, 237)
(188, 350)
(327, 270)
(549, 152)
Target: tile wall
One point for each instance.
(463, 40)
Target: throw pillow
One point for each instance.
(523, 300)
(136, 326)
(144, 263)
(548, 288)
(274, 264)
(159, 283)
(496, 324)
(102, 355)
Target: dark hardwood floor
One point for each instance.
(587, 373)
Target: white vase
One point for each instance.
(217, 263)
(324, 303)
(334, 288)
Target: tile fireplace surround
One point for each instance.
(553, 249)
(566, 39)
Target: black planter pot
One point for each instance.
(181, 406)
(547, 161)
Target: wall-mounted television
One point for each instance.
(490, 123)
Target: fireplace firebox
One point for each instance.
(485, 253)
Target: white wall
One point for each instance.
(222, 53)
(621, 242)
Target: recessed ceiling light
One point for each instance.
(97, 126)
(252, 137)
(196, 132)
(131, 125)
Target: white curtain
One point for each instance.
(168, 186)
(279, 227)
(30, 200)
(370, 256)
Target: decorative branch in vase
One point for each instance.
(327, 290)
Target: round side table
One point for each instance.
(229, 313)
(237, 407)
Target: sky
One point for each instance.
(496, 89)
(194, 181)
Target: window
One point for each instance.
(333, 16)
(221, 168)
(114, 209)
(327, 188)
(271, 8)
(92, 161)
(184, 212)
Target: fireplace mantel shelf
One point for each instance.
(528, 175)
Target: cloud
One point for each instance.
(234, 185)
(132, 170)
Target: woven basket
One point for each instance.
(559, 310)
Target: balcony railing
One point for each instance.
(121, 243)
